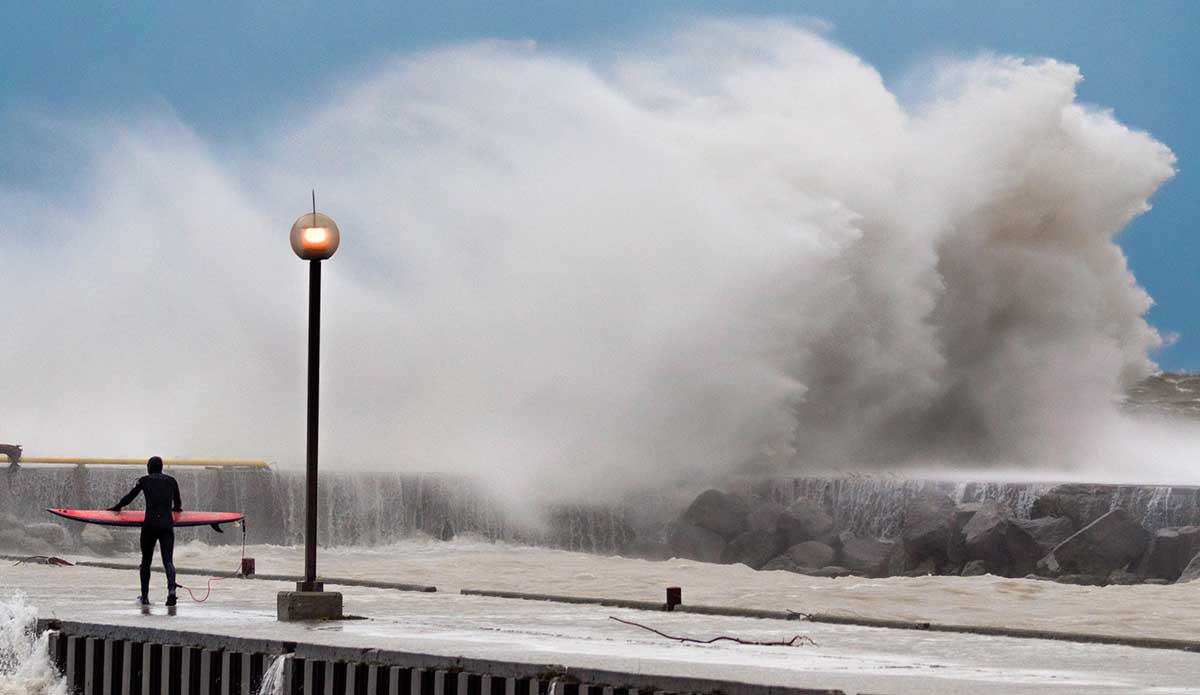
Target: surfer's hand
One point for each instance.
(114, 509)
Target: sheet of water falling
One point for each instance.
(25, 667)
(272, 682)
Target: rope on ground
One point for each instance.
(44, 560)
(238, 573)
(797, 641)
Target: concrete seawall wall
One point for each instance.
(364, 508)
(101, 659)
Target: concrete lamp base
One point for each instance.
(309, 605)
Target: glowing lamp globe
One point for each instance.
(315, 236)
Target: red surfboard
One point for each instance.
(135, 517)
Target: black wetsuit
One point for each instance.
(162, 497)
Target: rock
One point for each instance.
(804, 520)
(926, 568)
(1123, 578)
(1082, 579)
(752, 548)
(1113, 541)
(976, 568)
(17, 541)
(805, 556)
(994, 537)
(764, 517)
(1048, 531)
(99, 540)
(956, 546)
(867, 556)
(1080, 503)
(1170, 551)
(52, 533)
(719, 512)
(14, 540)
(1191, 572)
(830, 571)
(9, 522)
(694, 543)
(926, 524)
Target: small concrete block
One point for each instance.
(374, 677)
(309, 605)
(293, 676)
(152, 669)
(114, 662)
(231, 673)
(93, 666)
(210, 672)
(131, 667)
(314, 676)
(252, 672)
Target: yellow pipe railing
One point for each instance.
(83, 461)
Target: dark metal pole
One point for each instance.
(314, 368)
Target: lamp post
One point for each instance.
(314, 238)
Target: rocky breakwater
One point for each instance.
(1074, 534)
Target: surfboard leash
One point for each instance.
(238, 573)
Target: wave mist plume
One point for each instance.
(732, 246)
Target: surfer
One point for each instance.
(162, 498)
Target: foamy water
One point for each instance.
(25, 667)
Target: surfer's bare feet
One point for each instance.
(143, 601)
(170, 599)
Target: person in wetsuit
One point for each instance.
(162, 498)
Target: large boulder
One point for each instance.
(868, 556)
(831, 572)
(992, 535)
(1192, 572)
(803, 557)
(1080, 503)
(1048, 531)
(976, 568)
(1114, 541)
(752, 548)
(764, 516)
(805, 520)
(956, 546)
(51, 533)
(17, 541)
(720, 512)
(1170, 551)
(8, 522)
(100, 540)
(926, 525)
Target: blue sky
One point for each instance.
(225, 68)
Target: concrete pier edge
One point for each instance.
(243, 655)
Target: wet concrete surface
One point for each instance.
(855, 659)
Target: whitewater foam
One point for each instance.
(25, 667)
